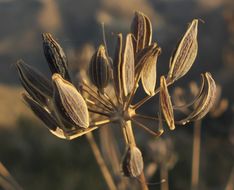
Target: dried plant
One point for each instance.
(71, 112)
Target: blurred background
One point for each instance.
(38, 160)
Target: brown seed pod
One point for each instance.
(99, 69)
(142, 30)
(132, 164)
(205, 102)
(128, 66)
(166, 105)
(41, 112)
(185, 53)
(117, 65)
(39, 88)
(55, 56)
(149, 72)
(69, 103)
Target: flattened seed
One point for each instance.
(166, 105)
(117, 65)
(55, 56)
(69, 103)
(149, 72)
(185, 54)
(128, 67)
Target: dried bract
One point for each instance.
(69, 103)
(185, 54)
(55, 56)
(132, 164)
(166, 105)
(142, 30)
(99, 69)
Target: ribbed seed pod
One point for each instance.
(142, 30)
(166, 105)
(205, 102)
(55, 56)
(132, 164)
(99, 69)
(185, 54)
(69, 103)
(38, 87)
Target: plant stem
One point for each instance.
(196, 154)
(105, 172)
(130, 141)
(164, 177)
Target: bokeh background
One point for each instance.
(37, 159)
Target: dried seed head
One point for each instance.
(142, 30)
(55, 56)
(149, 72)
(69, 104)
(204, 103)
(185, 54)
(128, 66)
(132, 164)
(39, 88)
(166, 105)
(99, 69)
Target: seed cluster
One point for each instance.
(70, 112)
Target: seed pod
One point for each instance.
(39, 88)
(132, 164)
(42, 113)
(166, 105)
(55, 56)
(99, 69)
(128, 66)
(69, 104)
(149, 72)
(142, 30)
(185, 54)
(206, 100)
(117, 65)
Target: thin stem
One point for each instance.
(164, 177)
(6, 180)
(90, 91)
(99, 112)
(196, 154)
(145, 99)
(105, 172)
(130, 141)
(104, 105)
(102, 122)
(157, 134)
(146, 117)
